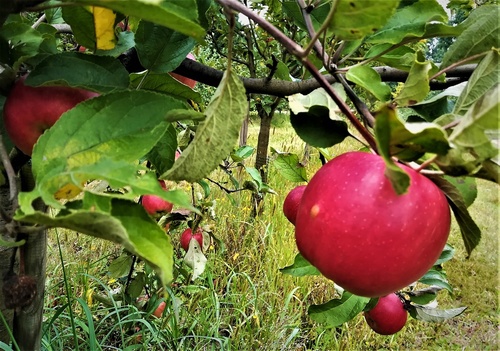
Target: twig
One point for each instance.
(229, 191)
(39, 21)
(11, 175)
(459, 63)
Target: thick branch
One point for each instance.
(211, 76)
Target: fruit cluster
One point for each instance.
(357, 231)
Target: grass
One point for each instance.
(243, 302)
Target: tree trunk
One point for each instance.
(244, 127)
(5, 259)
(263, 143)
(28, 320)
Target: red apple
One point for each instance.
(388, 316)
(291, 203)
(187, 235)
(158, 312)
(154, 204)
(361, 234)
(29, 111)
(187, 81)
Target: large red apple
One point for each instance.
(29, 111)
(361, 234)
(292, 202)
(189, 82)
(154, 204)
(388, 316)
(188, 234)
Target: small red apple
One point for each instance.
(187, 235)
(187, 81)
(158, 312)
(154, 204)
(29, 111)
(388, 316)
(291, 203)
(361, 234)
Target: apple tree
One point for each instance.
(92, 163)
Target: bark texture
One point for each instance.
(28, 320)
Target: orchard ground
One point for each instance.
(242, 301)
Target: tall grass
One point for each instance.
(243, 302)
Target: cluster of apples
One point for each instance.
(357, 231)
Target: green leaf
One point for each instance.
(471, 234)
(103, 73)
(419, 19)
(289, 167)
(24, 43)
(436, 277)
(136, 285)
(126, 41)
(355, 19)
(416, 86)
(401, 57)
(384, 120)
(316, 127)
(163, 83)
(481, 34)
(369, 79)
(446, 255)
(479, 127)
(180, 16)
(120, 266)
(81, 21)
(483, 79)
(303, 103)
(242, 153)
(409, 141)
(161, 49)
(162, 156)
(318, 15)
(434, 315)
(131, 178)
(338, 311)
(216, 135)
(110, 126)
(467, 187)
(120, 221)
(439, 104)
(423, 296)
(300, 268)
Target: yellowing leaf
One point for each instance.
(104, 24)
(68, 191)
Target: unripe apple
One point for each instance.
(188, 234)
(361, 234)
(291, 203)
(388, 316)
(29, 111)
(154, 204)
(187, 81)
